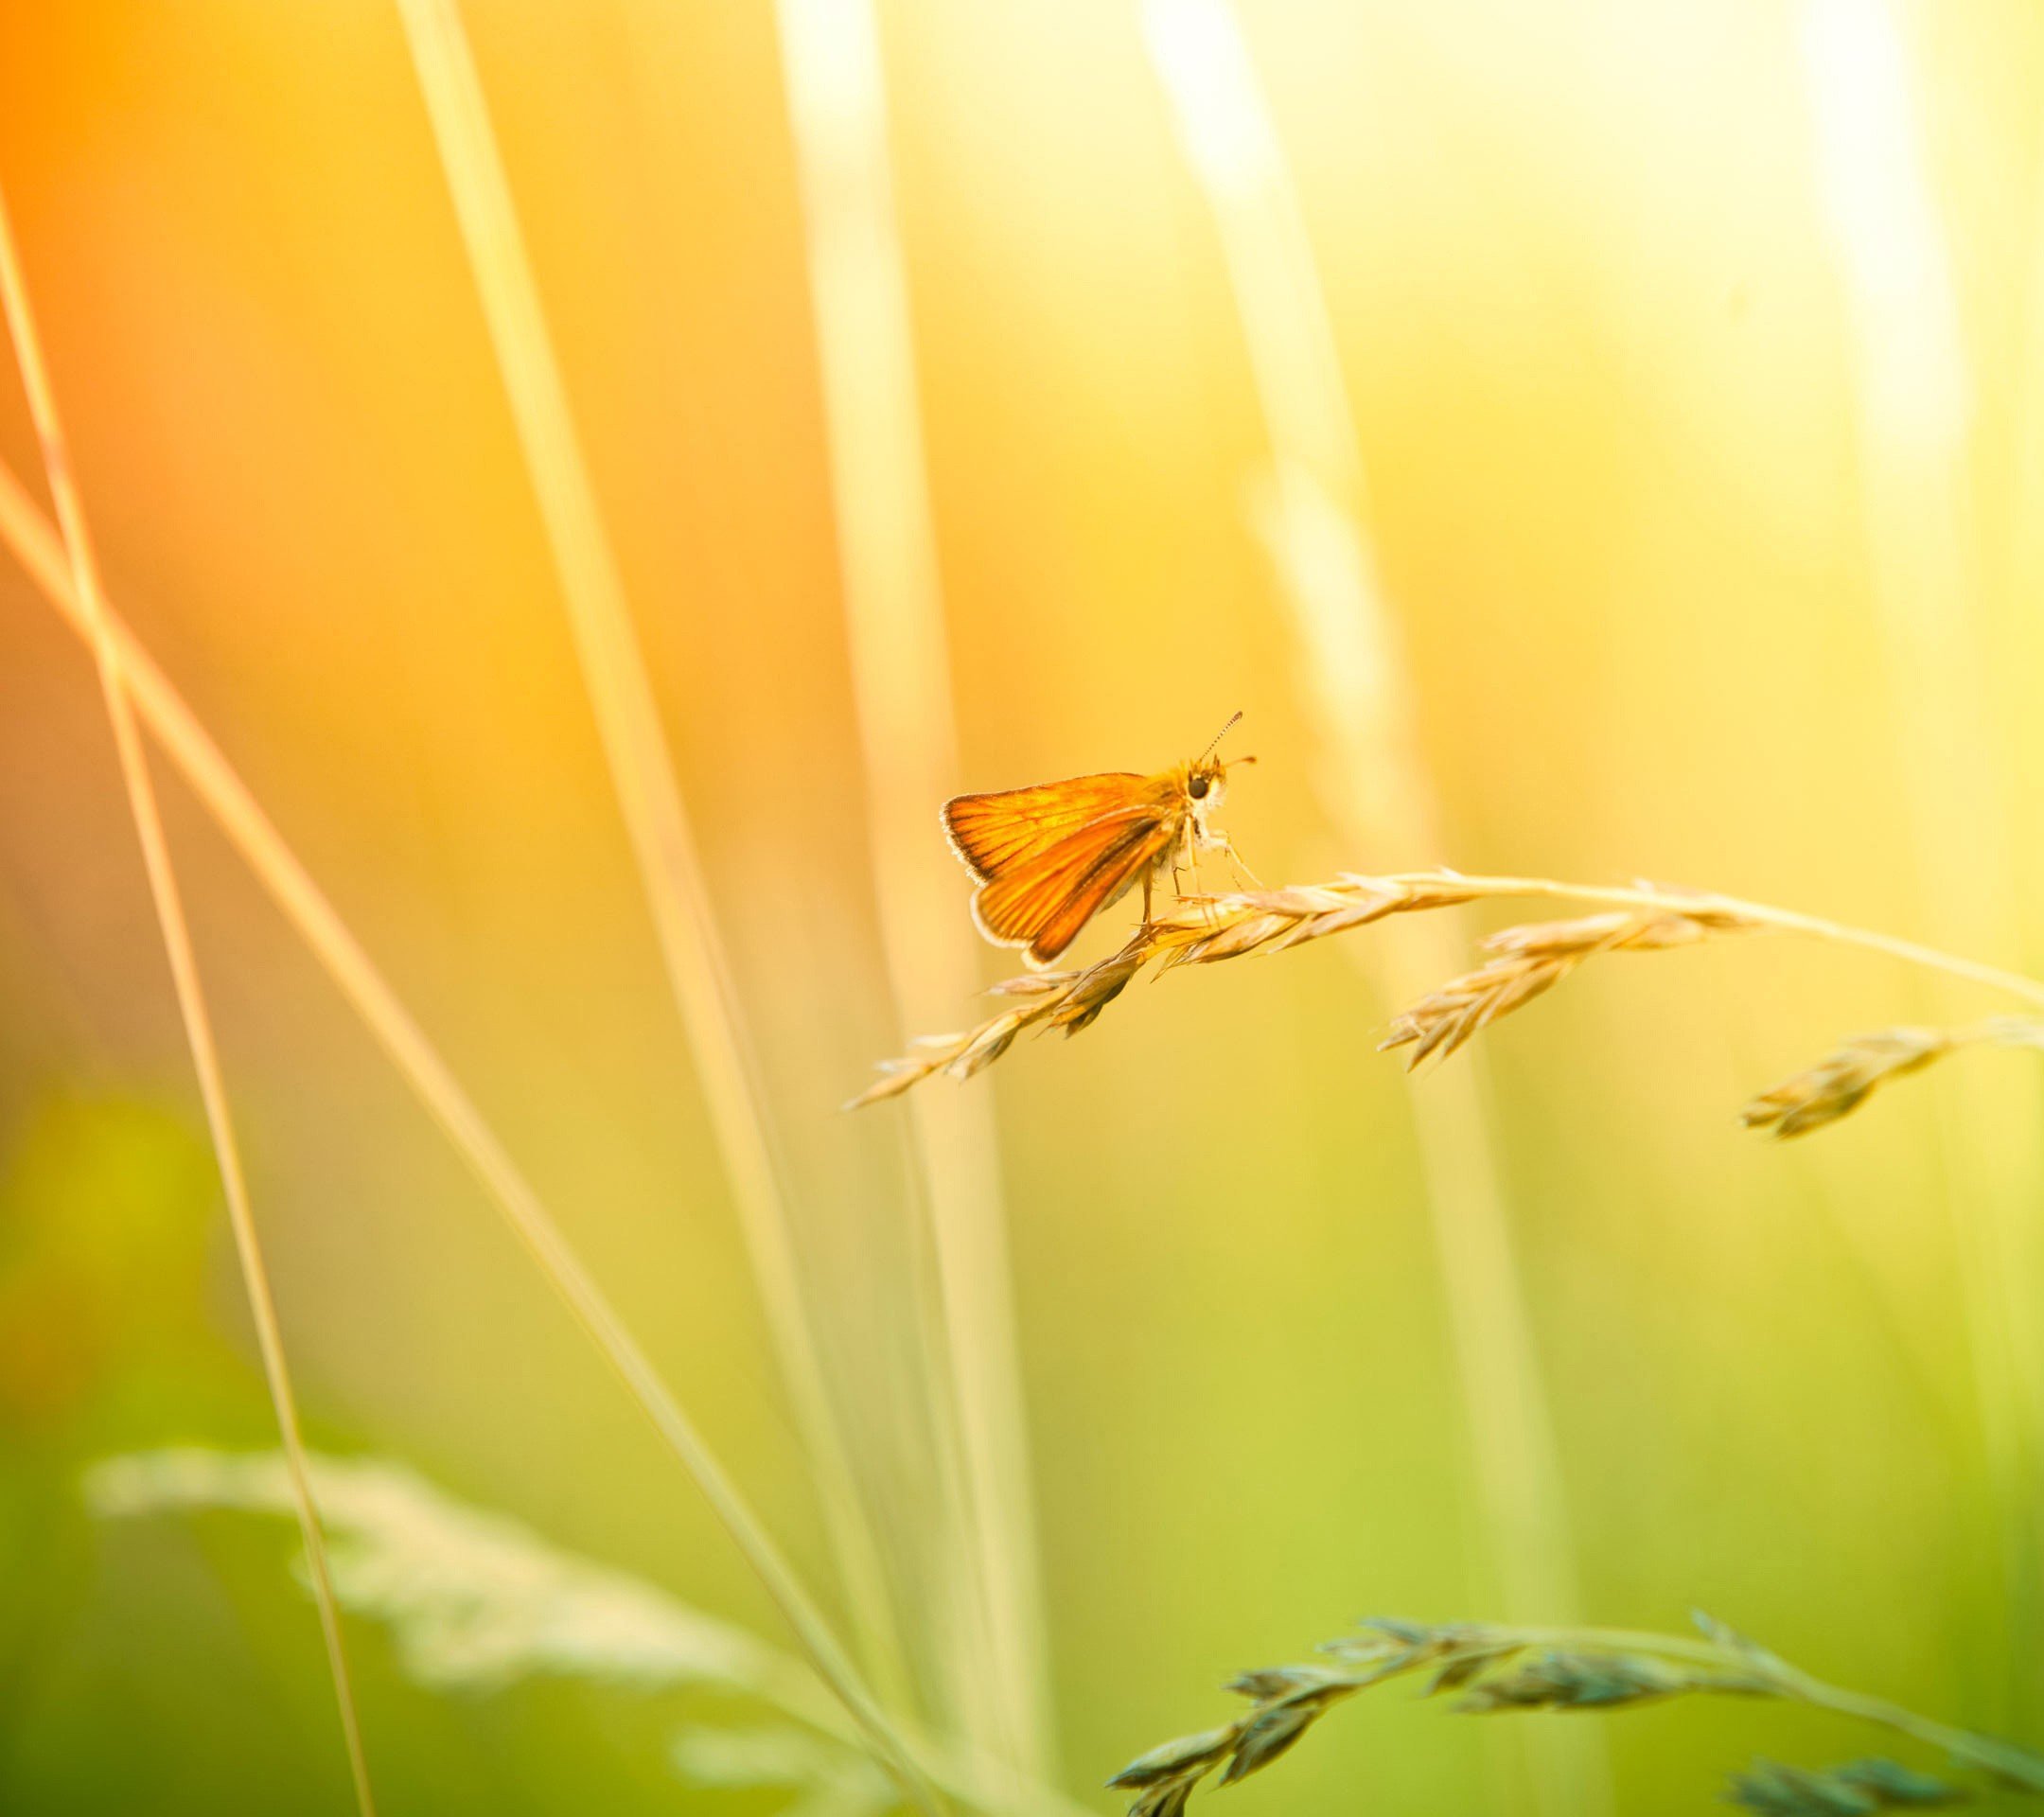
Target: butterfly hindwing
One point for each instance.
(1043, 902)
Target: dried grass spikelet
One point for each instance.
(1199, 930)
(1528, 960)
(1847, 1076)
(1844, 1080)
(1522, 963)
(1067, 1001)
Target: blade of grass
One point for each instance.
(1376, 788)
(642, 771)
(1913, 393)
(305, 906)
(901, 675)
(169, 907)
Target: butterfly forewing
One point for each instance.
(996, 833)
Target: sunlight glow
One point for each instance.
(1882, 217)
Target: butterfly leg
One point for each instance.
(1242, 872)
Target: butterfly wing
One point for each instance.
(993, 834)
(1043, 902)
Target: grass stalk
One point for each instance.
(1661, 898)
(164, 894)
(221, 791)
(1375, 786)
(1913, 395)
(643, 773)
(1524, 963)
(901, 683)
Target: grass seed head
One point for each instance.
(1528, 960)
(1521, 963)
(1853, 1789)
(1845, 1079)
(1499, 1671)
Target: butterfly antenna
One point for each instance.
(1217, 738)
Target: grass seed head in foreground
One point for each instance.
(1490, 1669)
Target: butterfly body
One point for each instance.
(1049, 858)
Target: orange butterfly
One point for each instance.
(1050, 859)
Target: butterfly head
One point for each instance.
(1205, 783)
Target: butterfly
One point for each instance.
(1050, 858)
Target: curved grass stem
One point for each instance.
(1523, 962)
(1787, 921)
(167, 901)
(198, 758)
(1987, 1752)
(993, 1672)
(650, 797)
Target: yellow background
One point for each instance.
(1597, 349)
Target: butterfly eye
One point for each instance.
(1197, 789)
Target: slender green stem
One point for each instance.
(1312, 511)
(650, 800)
(993, 1665)
(1793, 1683)
(214, 780)
(89, 590)
(969, 1774)
(1884, 205)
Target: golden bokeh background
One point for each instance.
(1648, 469)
